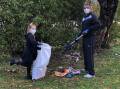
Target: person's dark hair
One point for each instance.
(88, 4)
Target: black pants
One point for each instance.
(29, 71)
(28, 68)
(88, 51)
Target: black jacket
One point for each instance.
(91, 23)
(30, 51)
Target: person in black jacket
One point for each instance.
(90, 24)
(30, 50)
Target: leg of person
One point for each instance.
(86, 53)
(88, 57)
(85, 57)
(29, 72)
(23, 63)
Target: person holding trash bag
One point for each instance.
(30, 51)
(90, 24)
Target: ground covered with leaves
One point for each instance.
(107, 64)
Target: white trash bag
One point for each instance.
(38, 73)
(41, 62)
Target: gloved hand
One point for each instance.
(38, 48)
(38, 45)
(85, 31)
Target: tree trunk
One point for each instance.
(107, 13)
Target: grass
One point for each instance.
(107, 66)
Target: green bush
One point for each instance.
(17, 14)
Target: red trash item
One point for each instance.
(62, 74)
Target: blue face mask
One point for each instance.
(87, 10)
(33, 31)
